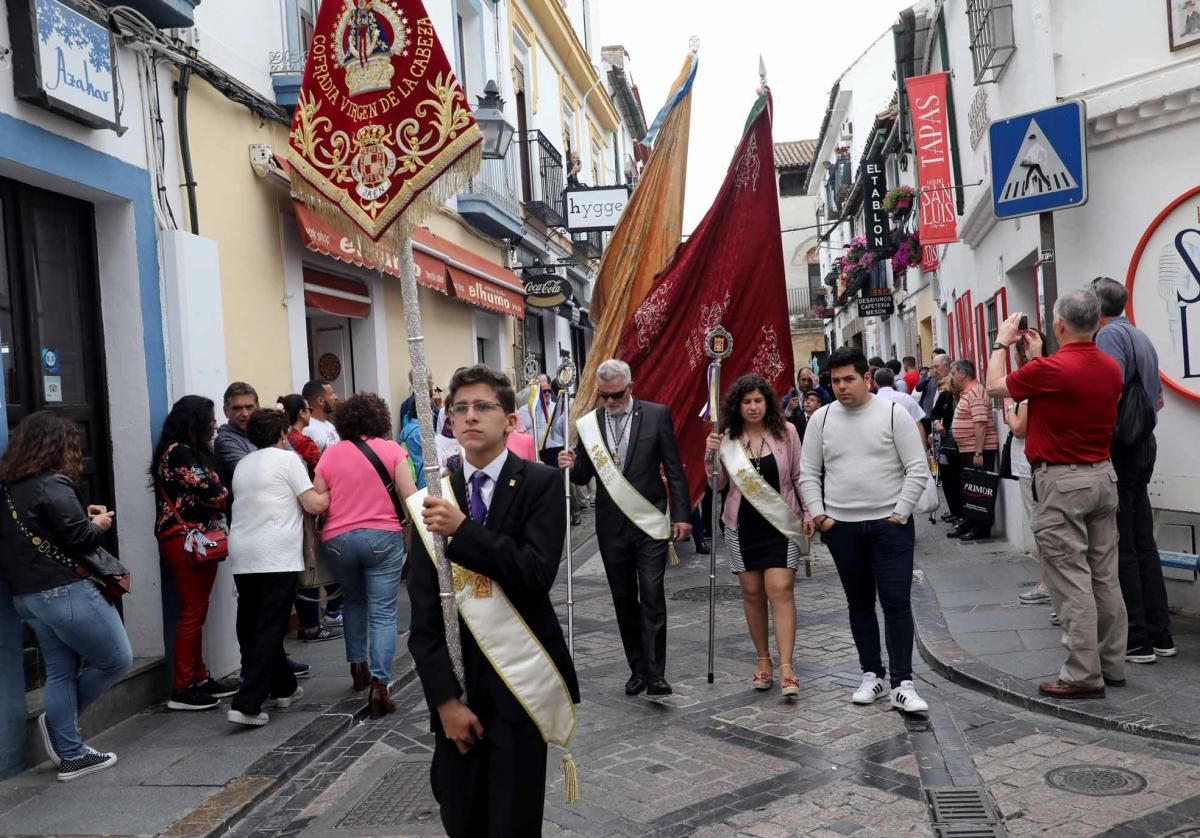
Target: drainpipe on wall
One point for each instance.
(185, 149)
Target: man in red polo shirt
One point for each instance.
(1073, 398)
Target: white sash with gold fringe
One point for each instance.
(511, 648)
(769, 503)
(648, 518)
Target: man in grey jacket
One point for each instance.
(232, 443)
(863, 469)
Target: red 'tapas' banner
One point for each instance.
(729, 272)
(927, 103)
(382, 132)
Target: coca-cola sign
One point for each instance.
(546, 290)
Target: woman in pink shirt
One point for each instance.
(363, 537)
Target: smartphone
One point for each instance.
(1023, 323)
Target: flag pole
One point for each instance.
(566, 377)
(433, 482)
(718, 345)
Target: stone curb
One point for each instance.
(220, 812)
(948, 659)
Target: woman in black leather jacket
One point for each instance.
(73, 622)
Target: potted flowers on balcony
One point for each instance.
(898, 202)
(856, 266)
(907, 255)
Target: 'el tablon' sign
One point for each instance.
(874, 188)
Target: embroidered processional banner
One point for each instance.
(729, 272)
(382, 132)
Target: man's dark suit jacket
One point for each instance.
(651, 445)
(519, 546)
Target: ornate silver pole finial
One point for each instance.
(531, 368)
(762, 71)
(566, 373)
(694, 44)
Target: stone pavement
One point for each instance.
(723, 760)
(976, 631)
(186, 773)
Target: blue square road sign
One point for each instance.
(1039, 161)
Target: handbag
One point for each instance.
(98, 566)
(1005, 469)
(929, 501)
(317, 573)
(978, 498)
(205, 545)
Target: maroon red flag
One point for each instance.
(730, 272)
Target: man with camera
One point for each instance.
(1072, 398)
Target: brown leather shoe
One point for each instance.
(361, 674)
(1061, 689)
(379, 703)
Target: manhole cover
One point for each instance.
(1096, 780)
(725, 593)
(401, 797)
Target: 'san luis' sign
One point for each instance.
(1164, 292)
(63, 61)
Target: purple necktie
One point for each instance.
(476, 504)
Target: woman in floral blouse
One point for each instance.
(184, 472)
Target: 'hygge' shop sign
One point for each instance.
(63, 61)
(595, 208)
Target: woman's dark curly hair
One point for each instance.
(265, 426)
(43, 442)
(363, 416)
(731, 410)
(189, 423)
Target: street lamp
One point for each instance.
(497, 133)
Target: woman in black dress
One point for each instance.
(763, 558)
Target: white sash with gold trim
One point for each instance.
(508, 643)
(769, 503)
(648, 518)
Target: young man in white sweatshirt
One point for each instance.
(863, 468)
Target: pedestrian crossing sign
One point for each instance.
(1039, 161)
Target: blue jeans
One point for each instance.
(876, 558)
(367, 564)
(83, 642)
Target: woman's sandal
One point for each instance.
(788, 685)
(763, 679)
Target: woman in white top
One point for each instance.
(1017, 416)
(265, 554)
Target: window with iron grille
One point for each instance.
(992, 43)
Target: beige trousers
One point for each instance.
(1075, 525)
(1026, 484)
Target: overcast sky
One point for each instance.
(806, 45)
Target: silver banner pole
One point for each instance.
(566, 377)
(718, 345)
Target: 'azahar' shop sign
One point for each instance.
(63, 61)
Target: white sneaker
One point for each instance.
(905, 698)
(871, 688)
(286, 701)
(237, 717)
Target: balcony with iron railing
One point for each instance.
(805, 308)
(489, 201)
(588, 245)
(541, 178)
(287, 72)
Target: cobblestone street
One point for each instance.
(722, 760)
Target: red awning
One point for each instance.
(440, 265)
(475, 280)
(336, 294)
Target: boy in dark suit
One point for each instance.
(489, 763)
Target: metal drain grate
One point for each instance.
(1096, 780)
(967, 830)
(956, 805)
(725, 593)
(401, 797)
